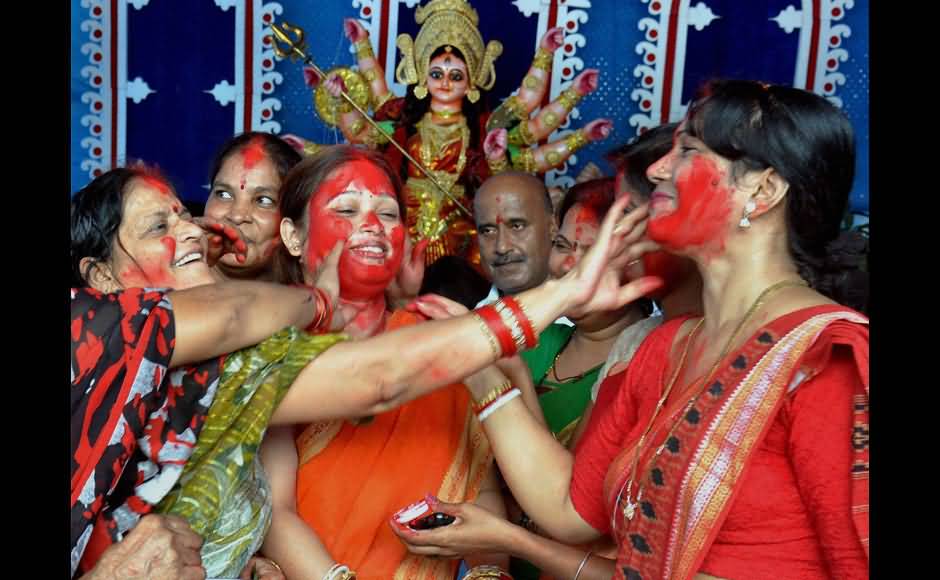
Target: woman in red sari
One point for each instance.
(737, 446)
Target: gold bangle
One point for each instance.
(369, 74)
(515, 105)
(521, 134)
(491, 395)
(511, 322)
(502, 164)
(576, 141)
(569, 98)
(356, 126)
(494, 346)
(364, 49)
(487, 572)
(543, 60)
(525, 161)
(276, 565)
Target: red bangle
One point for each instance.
(531, 339)
(499, 329)
(326, 318)
(324, 309)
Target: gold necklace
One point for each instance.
(629, 509)
(446, 114)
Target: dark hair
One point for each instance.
(278, 151)
(95, 216)
(453, 277)
(303, 181)
(597, 194)
(806, 139)
(415, 108)
(635, 156)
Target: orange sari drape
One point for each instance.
(352, 478)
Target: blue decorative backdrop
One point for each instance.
(167, 81)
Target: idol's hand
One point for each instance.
(598, 129)
(495, 144)
(552, 39)
(353, 30)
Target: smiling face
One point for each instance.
(158, 245)
(245, 195)
(356, 205)
(447, 80)
(692, 205)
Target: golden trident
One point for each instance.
(289, 43)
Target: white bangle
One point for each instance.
(492, 407)
(335, 571)
(581, 566)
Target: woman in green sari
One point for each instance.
(567, 361)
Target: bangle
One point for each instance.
(339, 572)
(498, 166)
(363, 49)
(499, 329)
(490, 397)
(569, 98)
(487, 572)
(576, 141)
(526, 161)
(522, 317)
(543, 60)
(521, 134)
(581, 566)
(321, 304)
(489, 335)
(495, 405)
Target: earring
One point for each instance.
(420, 91)
(749, 208)
(473, 95)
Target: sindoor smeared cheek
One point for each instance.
(152, 271)
(704, 207)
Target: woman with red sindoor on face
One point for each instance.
(336, 483)
(155, 430)
(737, 445)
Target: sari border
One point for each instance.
(727, 444)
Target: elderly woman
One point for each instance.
(186, 439)
(737, 445)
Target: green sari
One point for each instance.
(562, 403)
(223, 492)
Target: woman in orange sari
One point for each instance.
(737, 445)
(336, 482)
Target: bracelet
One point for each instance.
(495, 405)
(526, 161)
(363, 49)
(576, 141)
(487, 572)
(522, 317)
(339, 572)
(581, 566)
(323, 317)
(499, 329)
(521, 134)
(515, 106)
(490, 397)
(489, 335)
(543, 60)
(498, 166)
(569, 98)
